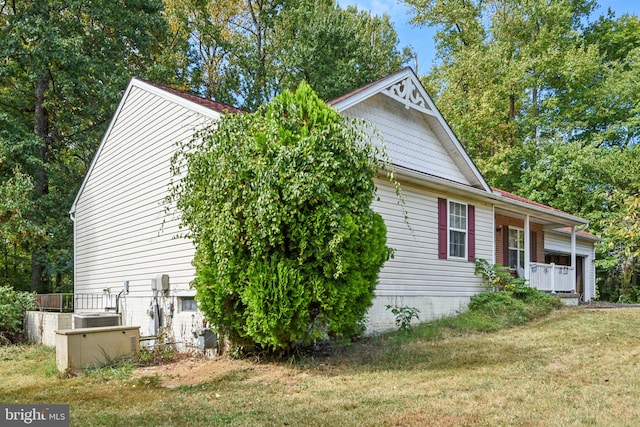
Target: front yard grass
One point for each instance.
(572, 367)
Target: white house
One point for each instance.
(126, 236)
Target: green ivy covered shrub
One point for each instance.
(13, 306)
(278, 202)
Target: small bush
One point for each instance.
(497, 277)
(525, 293)
(500, 306)
(158, 354)
(13, 306)
(470, 321)
(629, 296)
(495, 303)
(514, 302)
(116, 369)
(512, 308)
(404, 316)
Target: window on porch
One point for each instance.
(516, 248)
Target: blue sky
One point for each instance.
(421, 39)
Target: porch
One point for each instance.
(540, 244)
(552, 278)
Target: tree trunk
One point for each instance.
(512, 108)
(40, 178)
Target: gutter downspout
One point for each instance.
(493, 234)
(527, 249)
(72, 215)
(573, 256)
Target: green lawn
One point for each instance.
(574, 367)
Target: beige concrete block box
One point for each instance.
(78, 349)
(40, 326)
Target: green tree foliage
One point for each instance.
(335, 50)
(64, 65)
(509, 73)
(278, 204)
(13, 305)
(245, 52)
(601, 184)
(215, 36)
(16, 228)
(568, 176)
(606, 110)
(620, 221)
(506, 71)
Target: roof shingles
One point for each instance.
(213, 105)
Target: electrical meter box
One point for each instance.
(163, 282)
(160, 283)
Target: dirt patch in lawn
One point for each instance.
(196, 370)
(188, 371)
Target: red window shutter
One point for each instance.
(442, 228)
(471, 233)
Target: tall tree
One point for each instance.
(502, 68)
(64, 66)
(335, 50)
(611, 112)
(244, 52)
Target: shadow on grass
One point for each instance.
(446, 344)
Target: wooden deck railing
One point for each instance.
(61, 302)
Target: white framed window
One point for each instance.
(516, 247)
(187, 304)
(457, 230)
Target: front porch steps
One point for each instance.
(570, 299)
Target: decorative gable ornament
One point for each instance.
(407, 93)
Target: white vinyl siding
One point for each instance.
(407, 137)
(415, 269)
(122, 231)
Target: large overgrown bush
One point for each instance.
(13, 306)
(288, 249)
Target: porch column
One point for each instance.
(527, 249)
(573, 255)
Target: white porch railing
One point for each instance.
(552, 278)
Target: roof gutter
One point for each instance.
(456, 188)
